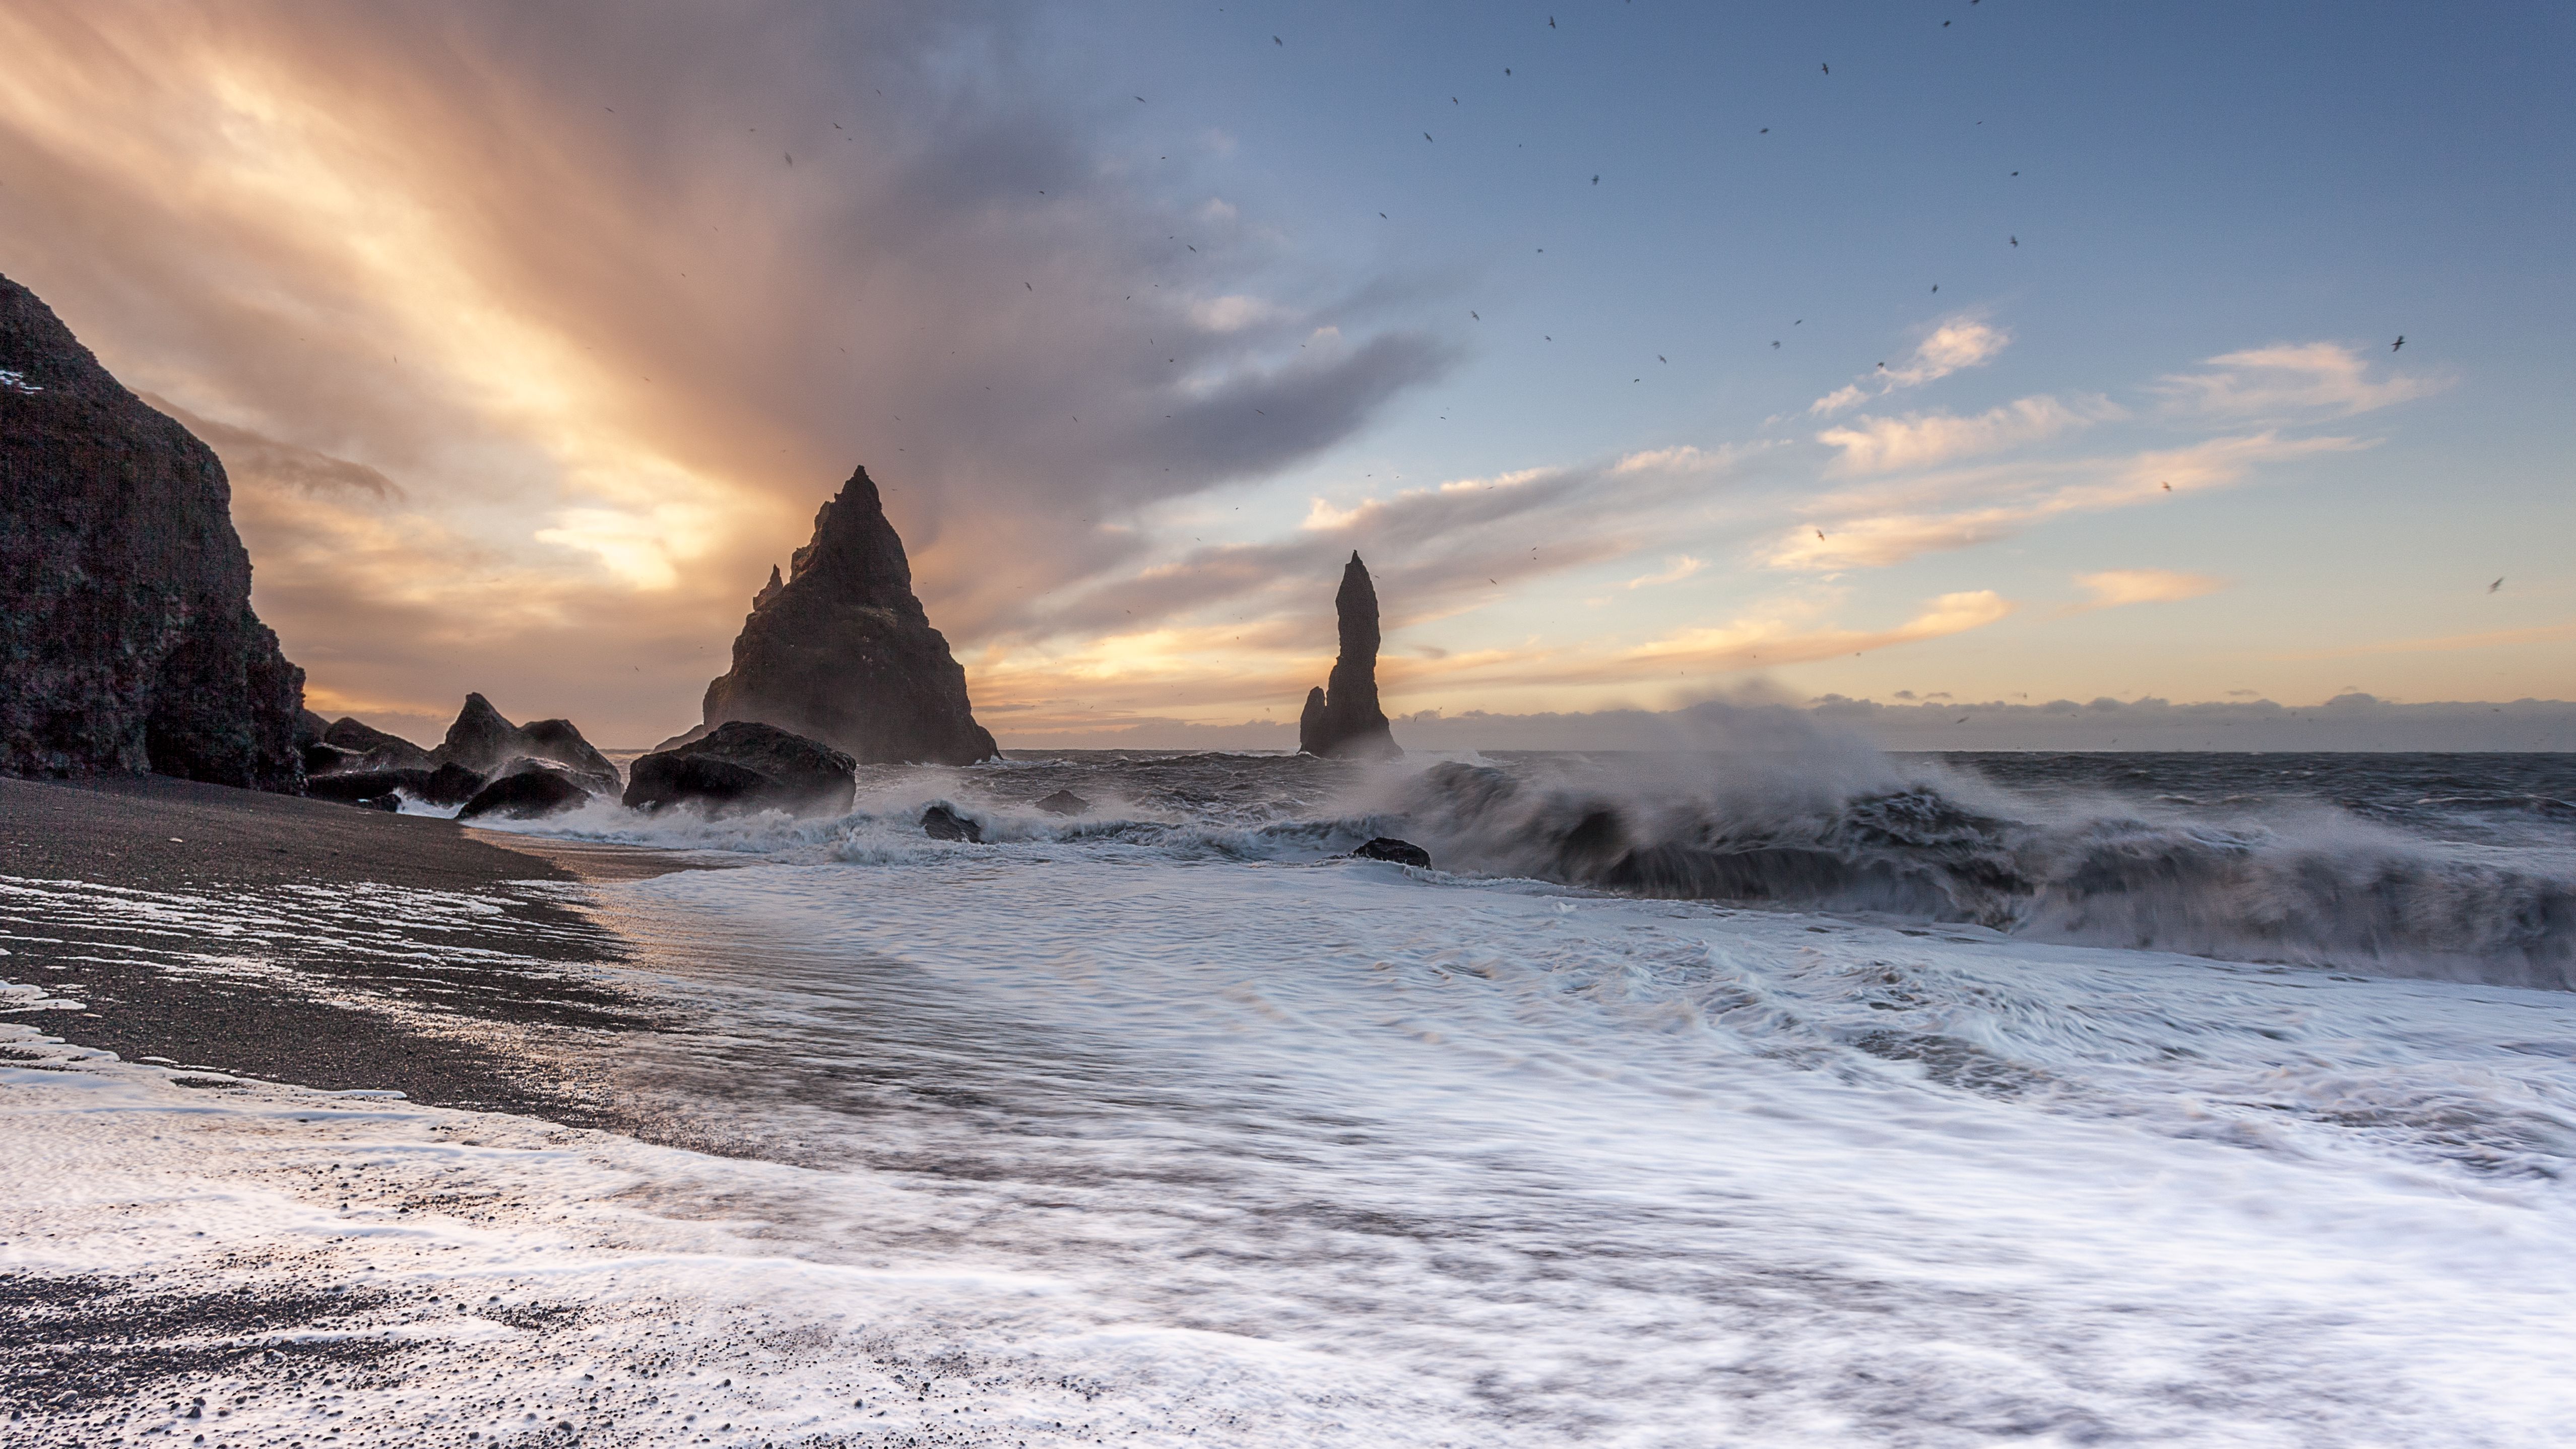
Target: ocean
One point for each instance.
(1793, 1094)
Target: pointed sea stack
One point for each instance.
(127, 641)
(841, 652)
(1344, 720)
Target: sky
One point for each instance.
(1901, 354)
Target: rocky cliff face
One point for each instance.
(127, 641)
(1344, 719)
(841, 651)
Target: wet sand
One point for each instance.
(346, 1006)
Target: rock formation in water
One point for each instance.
(841, 652)
(1343, 719)
(741, 766)
(489, 745)
(526, 795)
(127, 641)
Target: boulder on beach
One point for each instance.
(127, 641)
(369, 748)
(1343, 720)
(353, 786)
(840, 651)
(527, 795)
(483, 741)
(1064, 802)
(941, 823)
(1401, 852)
(742, 766)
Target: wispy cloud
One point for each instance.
(1896, 522)
(2114, 587)
(2290, 379)
(1958, 342)
(1682, 567)
(1918, 440)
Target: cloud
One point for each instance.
(2287, 379)
(1956, 343)
(1891, 523)
(1882, 445)
(542, 291)
(2115, 587)
(1681, 567)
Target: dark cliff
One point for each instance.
(1343, 719)
(841, 651)
(127, 641)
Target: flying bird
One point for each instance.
(1820, 533)
(1140, 100)
(1659, 357)
(2016, 241)
(1275, 40)
(2498, 584)
(1936, 286)
(2400, 342)
(1775, 346)
(1596, 179)
(2168, 487)
(1426, 135)
(1551, 22)
(1471, 314)
(1829, 70)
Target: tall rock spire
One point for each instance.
(842, 652)
(1344, 719)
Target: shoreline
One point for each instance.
(268, 936)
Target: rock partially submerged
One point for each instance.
(742, 766)
(841, 651)
(941, 823)
(483, 741)
(1401, 852)
(449, 784)
(127, 641)
(1064, 802)
(527, 795)
(1344, 721)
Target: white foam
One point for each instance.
(1277, 1152)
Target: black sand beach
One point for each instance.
(365, 998)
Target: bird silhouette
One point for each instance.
(2016, 241)
(1426, 135)
(1471, 314)
(1775, 346)
(2400, 342)
(1936, 286)
(1659, 357)
(1829, 70)
(1820, 533)
(1596, 179)
(2168, 487)
(1551, 22)
(2498, 584)
(1275, 40)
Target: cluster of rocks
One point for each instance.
(486, 765)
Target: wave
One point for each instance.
(2309, 887)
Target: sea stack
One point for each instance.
(841, 652)
(1343, 720)
(127, 641)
